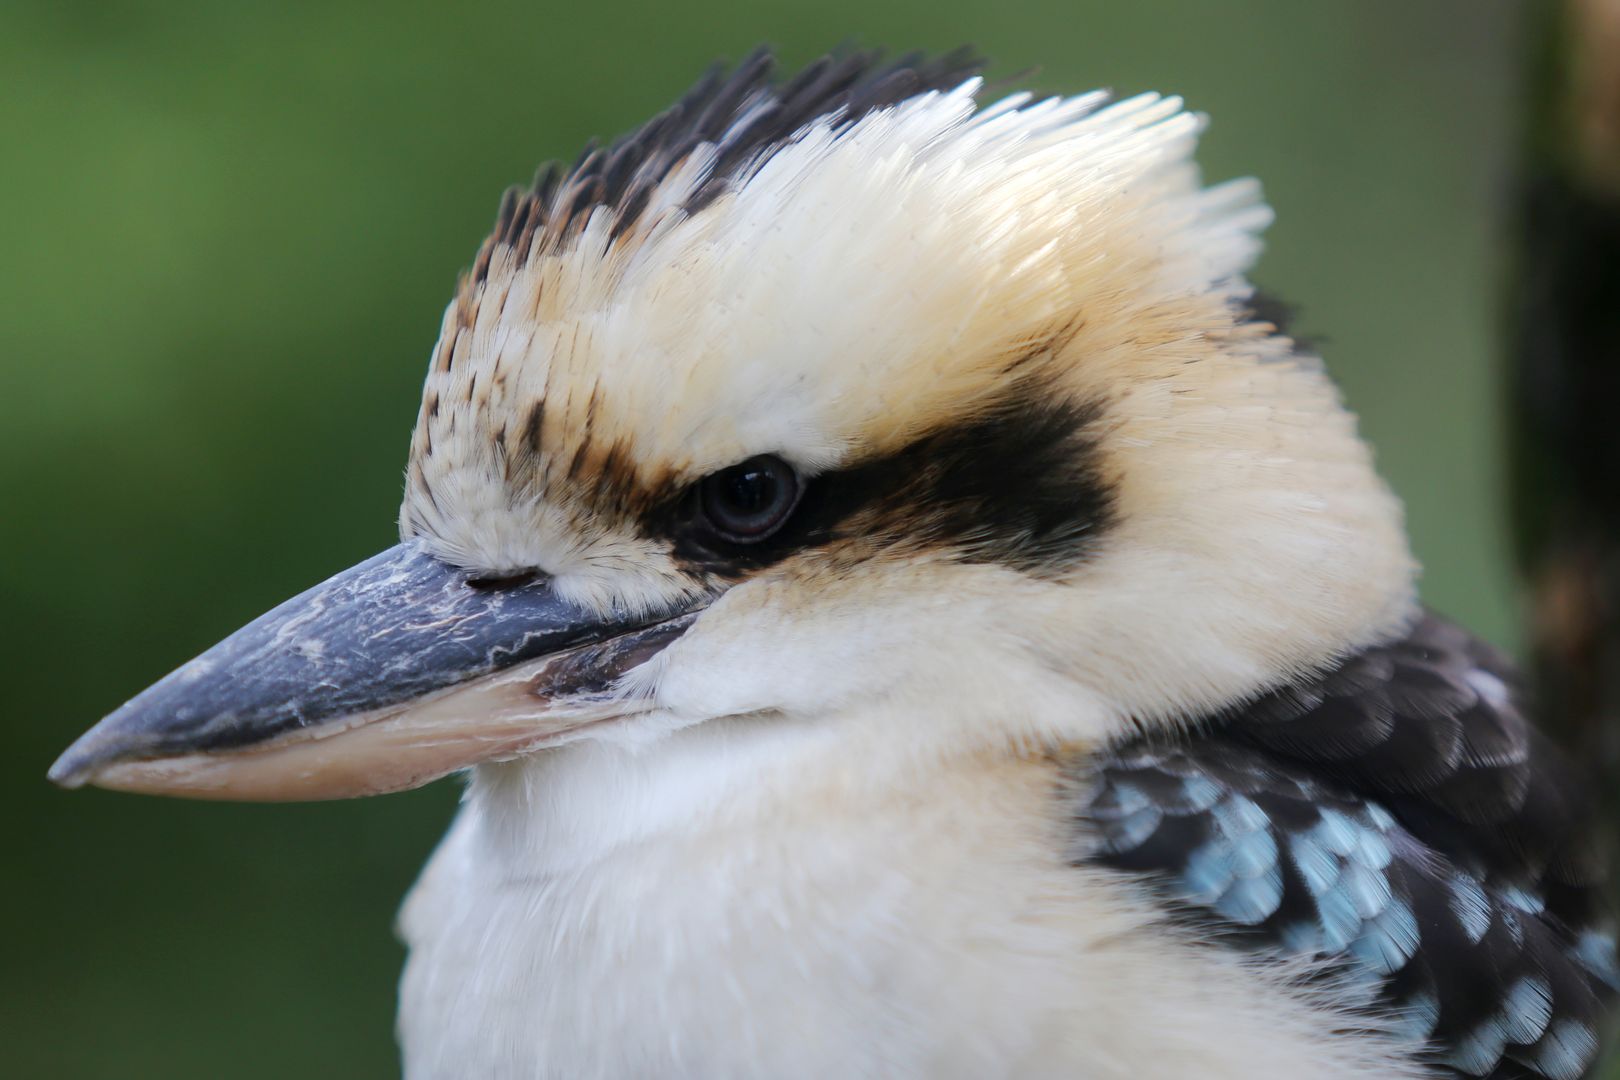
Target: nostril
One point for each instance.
(503, 581)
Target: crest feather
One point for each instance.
(734, 120)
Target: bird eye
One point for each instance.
(748, 502)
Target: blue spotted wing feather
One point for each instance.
(1410, 827)
(1434, 727)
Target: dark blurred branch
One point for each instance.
(1565, 392)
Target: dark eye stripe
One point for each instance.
(1020, 485)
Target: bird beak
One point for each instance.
(393, 673)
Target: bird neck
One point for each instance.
(567, 809)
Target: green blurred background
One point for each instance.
(229, 232)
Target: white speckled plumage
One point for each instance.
(831, 846)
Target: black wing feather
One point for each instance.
(1435, 727)
(1399, 815)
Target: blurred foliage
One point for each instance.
(230, 229)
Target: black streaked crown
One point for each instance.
(746, 114)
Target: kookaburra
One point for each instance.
(903, 613)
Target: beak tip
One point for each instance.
(72, 770)
(82, 762)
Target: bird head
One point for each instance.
(842, 401)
